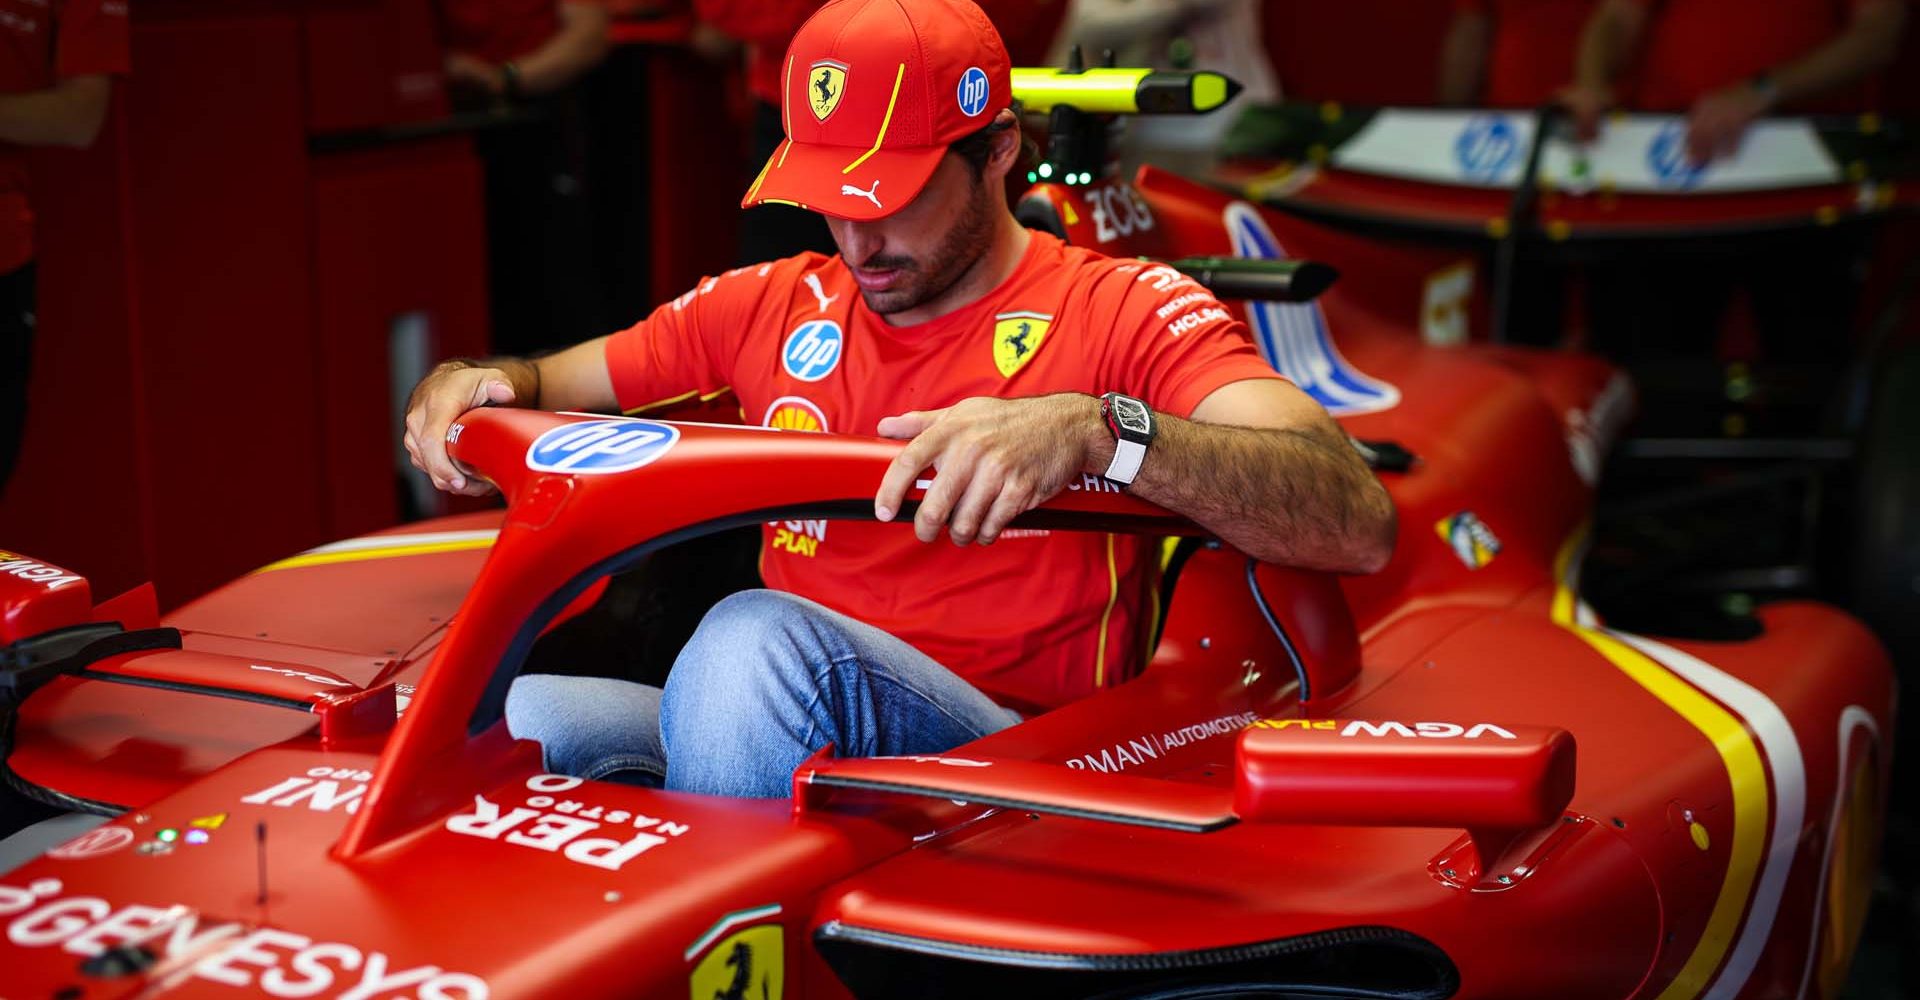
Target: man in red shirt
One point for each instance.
(989, 346)
(1509, 53)
(1727, 62)
(57, 61)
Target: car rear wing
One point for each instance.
(1499, 783)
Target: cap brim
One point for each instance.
(816, 178)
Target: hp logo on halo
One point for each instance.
(600, 446)
(973, 91)
(1486, 147)
(1667, 158)
(812, 350)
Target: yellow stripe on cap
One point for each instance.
(786, 91)
(898, 75)
(762, 176)
(1746, 774)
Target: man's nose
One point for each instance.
(860, 241)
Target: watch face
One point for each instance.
(1131, 415)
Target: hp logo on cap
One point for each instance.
(973, 91)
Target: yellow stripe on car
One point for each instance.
(1746, 773)
(386, 547)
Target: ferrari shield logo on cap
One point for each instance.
(826, 81)
(1016, 338)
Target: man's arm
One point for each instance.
(1607, 44)
(1867, 45)
(1261, 465)
(1463, 56)
(573, 379)
(69, 113)
(580, 44)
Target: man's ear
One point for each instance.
(1006, 144)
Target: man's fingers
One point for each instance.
(910, 424)
(982, 492)
(497, 392)
(949, 485)
(901, 472)
(1014, 500)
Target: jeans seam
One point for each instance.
(874, 670)
(622, 762)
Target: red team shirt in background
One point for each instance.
(1695, 47)
(498, 31)
(1038, 618)
(41, 43)
(1531, 47)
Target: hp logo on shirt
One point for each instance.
(601, 446)
(973, 91)
(813, 350)
(1667, 158)
(1486, 147)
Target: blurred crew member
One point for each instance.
(985, 345)
(1727, 62)
(1509, 53)
(57, 62)
(769, 232)
(543, 288)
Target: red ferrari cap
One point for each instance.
(872, 93)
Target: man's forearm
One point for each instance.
(1610, 33)
(69, 113)
(579, 45)
(1868, 45)
(1301, 497)
(1463, 58)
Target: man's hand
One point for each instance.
(1585, 104)
(450, 390)
(475, 75)
(1718, 120)
(995, 458)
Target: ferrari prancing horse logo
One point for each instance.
(826, 81)
(1016, 337)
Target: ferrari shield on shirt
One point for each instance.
(1038, 618)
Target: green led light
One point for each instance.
(1032, 177)
(169, 835)
(1046, 170)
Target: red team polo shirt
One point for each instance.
(1530, 55)
(41, 43)
(498, 31)
(1036, 619)
(1694, 47)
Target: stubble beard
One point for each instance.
(963, 247)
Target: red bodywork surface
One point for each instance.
(1556, 809)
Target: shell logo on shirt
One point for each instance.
(1016, 338)
(812, 350)
(826, 81)
(794, 413)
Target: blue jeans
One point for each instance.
(767, 679)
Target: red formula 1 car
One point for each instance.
(1445, 779)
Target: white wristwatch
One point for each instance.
(1131, 422)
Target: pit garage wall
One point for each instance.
(211, 381)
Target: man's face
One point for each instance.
(911, 257)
